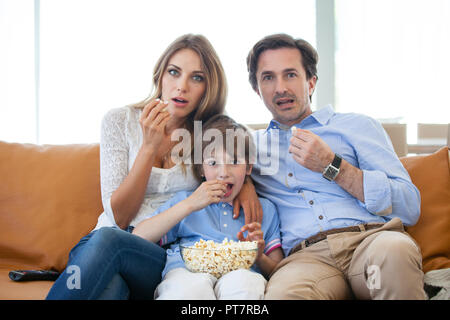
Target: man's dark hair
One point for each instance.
(276, 41)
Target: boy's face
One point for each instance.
(221, 166)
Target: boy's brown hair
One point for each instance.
(231, 132)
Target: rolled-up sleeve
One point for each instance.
(377, 192)
(388, 189)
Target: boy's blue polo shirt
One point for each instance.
(214, 222)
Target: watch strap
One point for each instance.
(336, 161)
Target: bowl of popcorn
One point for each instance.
(219, 258)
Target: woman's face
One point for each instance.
(183, 83)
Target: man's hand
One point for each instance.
(309, 150)
(249, 201)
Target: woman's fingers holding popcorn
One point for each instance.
(148, 107)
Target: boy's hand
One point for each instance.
(254, 234)
(208, 192)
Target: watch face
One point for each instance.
(331, 172)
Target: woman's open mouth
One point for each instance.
(180, 102)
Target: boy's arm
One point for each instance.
(158, 225)
(267, 263)
(155, 227)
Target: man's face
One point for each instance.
(283, 86)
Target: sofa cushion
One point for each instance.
(49, 198)
(26, 290)
(431, 175)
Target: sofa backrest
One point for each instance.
(49, 199)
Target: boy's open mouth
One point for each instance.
(229, 190)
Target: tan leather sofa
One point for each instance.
(50, 198)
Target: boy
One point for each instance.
(207, 214)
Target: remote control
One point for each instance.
(30, 275)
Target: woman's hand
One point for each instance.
(153, 122)
(254, 234)
(249, 201)
(208, 192)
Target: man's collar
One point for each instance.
(321, 116)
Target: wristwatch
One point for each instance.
(332, 170)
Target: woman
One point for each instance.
(138, 175)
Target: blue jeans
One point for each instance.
(110, 263)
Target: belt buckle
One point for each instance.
(307, 243)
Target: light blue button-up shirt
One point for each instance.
(214, 222)
(307, 203)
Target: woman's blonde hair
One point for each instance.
(214, 99)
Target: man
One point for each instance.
(341, 192)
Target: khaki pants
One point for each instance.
(382, 263)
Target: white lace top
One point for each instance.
(121, 139)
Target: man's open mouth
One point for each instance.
(284, 101)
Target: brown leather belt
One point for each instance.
(323, 234)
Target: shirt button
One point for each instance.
(223, 205)
(311, 202)
(225, 225)
(290, 174)
(225, 213)
(321, 217)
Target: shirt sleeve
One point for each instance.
(113, 156)
(388, 189)
(270, 226)
(172, 234)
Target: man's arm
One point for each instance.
(350, 179)
(381, 183)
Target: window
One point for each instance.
(17, 71)
(392, 60)
(98, 55)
